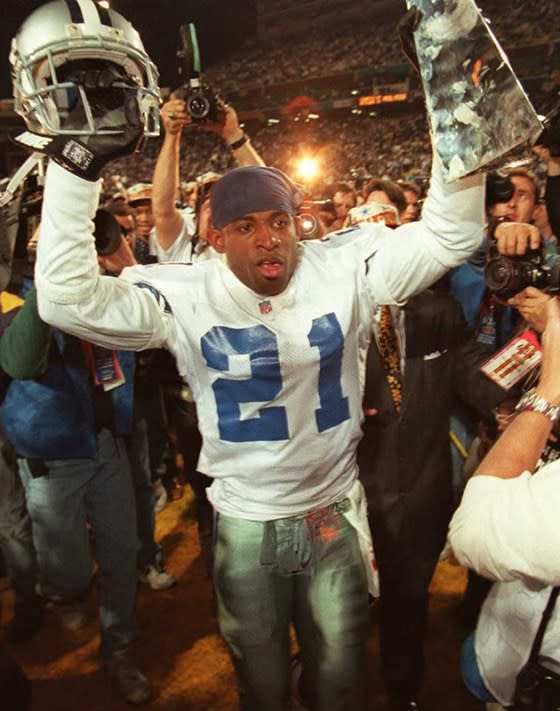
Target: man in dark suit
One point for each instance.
(405, 467)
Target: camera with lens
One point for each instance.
(201, 102)
(506, 276)
(311, 217)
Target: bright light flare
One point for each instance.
(308, 168)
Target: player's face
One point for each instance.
(261, 250)
(144, 218)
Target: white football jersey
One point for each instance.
(275, 378)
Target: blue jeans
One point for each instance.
(305, 570)
(471, 673)
(16, 540)
(71, 493)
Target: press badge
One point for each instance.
(104, 366)
(108, 372)
(515, 360)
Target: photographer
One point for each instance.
(343, 200)
(506, 529)
(170, 224)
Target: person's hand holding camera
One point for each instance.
(231, 130)
(174, 116)
(532, 305)
(515, 238)
(552, 162)
(227, 125)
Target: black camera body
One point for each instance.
(538, 686)
(506, 276)
(201, 102)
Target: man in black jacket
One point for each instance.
(405, 467)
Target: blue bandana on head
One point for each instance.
(252, 189)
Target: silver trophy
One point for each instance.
(477, 108)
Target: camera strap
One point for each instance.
(543, 624)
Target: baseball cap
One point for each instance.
(139, 192)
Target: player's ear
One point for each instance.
(216, 240)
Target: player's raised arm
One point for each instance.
(83, 116)
(72, 293)
(419, 253)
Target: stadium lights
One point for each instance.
(355, 92)
(307, 168)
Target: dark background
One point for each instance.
(221, 26)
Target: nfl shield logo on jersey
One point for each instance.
(265, 307)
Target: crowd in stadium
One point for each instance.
(365, 143)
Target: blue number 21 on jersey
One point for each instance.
(259, 343)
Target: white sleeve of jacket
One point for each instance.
(419, 253)
(72, 295)
(507, 529)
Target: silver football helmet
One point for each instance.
(73, 57)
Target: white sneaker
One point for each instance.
(160, 495)
(157, 577)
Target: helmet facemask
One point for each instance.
(82, 79)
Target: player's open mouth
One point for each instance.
(270, 268)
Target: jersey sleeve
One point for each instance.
(417, 254)
(72, 295)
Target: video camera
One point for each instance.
(201, 102)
